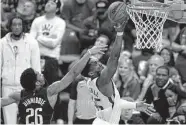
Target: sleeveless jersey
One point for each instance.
(102, 102)
(34, 108)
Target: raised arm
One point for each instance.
(58, 86)
(105, 78)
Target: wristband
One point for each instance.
(89, 52)
(119, 33)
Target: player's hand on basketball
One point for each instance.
(98, 49)
(119, 27)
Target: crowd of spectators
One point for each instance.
(64, 30)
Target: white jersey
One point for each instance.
(103, 103)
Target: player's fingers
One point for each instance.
(102, 46)
(151, 108)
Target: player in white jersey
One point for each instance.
(103, 90)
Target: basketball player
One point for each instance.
(36, 103)
(103, 90)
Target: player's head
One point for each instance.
(125, 66)
(93, 69)
(30, 79)
(154, 62)
(126, 114)
(162, 75)
(51, 6)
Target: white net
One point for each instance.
(148, 19)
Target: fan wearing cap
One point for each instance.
(75, 12)
(48, 30)
(98, 21)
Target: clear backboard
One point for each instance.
(177, 10)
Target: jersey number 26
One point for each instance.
(34, 113)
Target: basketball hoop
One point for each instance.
(148, 18)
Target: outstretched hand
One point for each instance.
(144, 107)
(99, 49)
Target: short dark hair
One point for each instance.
(163, 67)
(28, 79)
(16, 16)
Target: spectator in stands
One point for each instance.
(74, 19)
(181, 59)
(169, 61)
(4, 29)
(95, 22)
(19, 51)
(48, 30)
(181, 110)
(127, 80)
(154, 62)
(40, 7)
(28, 14)
(127, 116)
(104, 37)
(81, 106)
(144, 56)
(74, 13)
(163, 99)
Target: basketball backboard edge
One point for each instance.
(177, 10)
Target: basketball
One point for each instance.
(117, 12)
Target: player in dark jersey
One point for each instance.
(36, 103)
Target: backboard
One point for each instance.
(177, 11)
